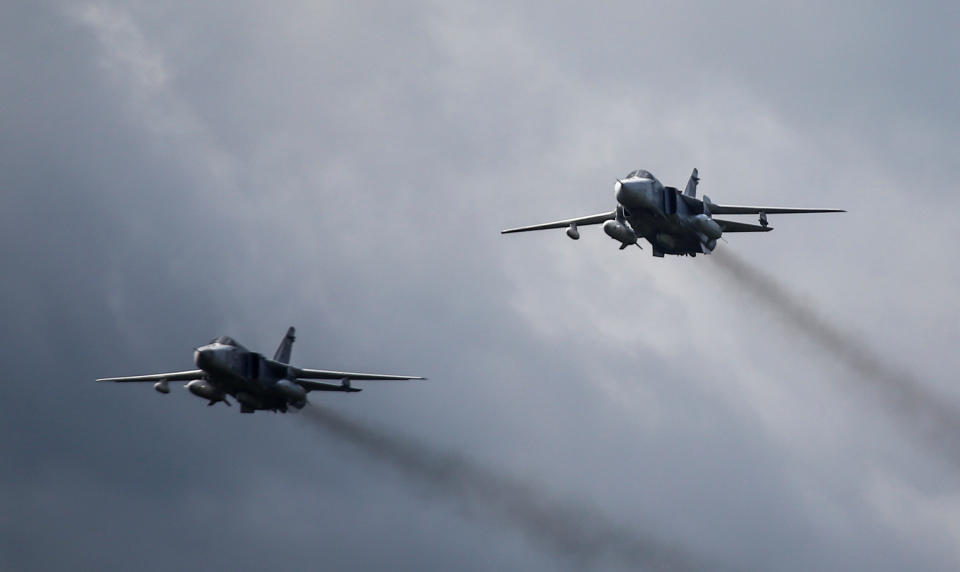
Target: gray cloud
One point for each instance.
(934, 418)
(578, 534)
(170, 173)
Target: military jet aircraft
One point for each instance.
(227, 368)
(671, 221)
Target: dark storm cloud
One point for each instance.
(173, 172)
(870, 69)
(579, 534)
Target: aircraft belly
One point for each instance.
(230, 384)
(257, 394)
(235, 386)
(644, 224)
(666, 233)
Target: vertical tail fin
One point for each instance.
(691, 190)
(283, 352)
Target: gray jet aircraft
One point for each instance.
(227, 368)
(671, 221)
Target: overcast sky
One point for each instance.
(174, 171)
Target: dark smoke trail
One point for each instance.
(928, 415)
(576, 533)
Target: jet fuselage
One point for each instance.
(669, 221)
(255, 381)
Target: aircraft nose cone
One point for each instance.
(620, 191)
(633, 194)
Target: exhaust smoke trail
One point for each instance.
(928, 415)
(576, 533)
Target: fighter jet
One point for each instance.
(227, 368)
(673, 222)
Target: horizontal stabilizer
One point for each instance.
(731, 226)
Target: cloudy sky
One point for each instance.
(169, 173)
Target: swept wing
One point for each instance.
(172, 376)
(305, 375)
(734, 209)
(584, 220)
(301, 373)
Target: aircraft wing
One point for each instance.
(327, 374)
(731, 226)
(172, 376)
(584, 220)
(733, 209)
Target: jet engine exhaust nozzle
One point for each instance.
(294, 393)
(707, 226)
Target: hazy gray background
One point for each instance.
(171, 173)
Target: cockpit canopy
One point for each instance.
(226, 340)
(641, 174)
